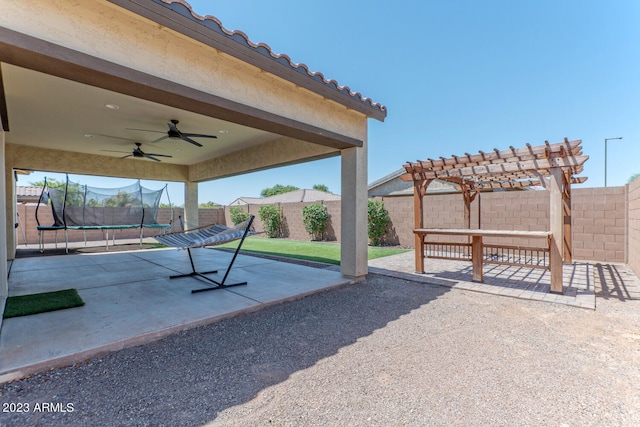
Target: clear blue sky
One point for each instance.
(456, 76)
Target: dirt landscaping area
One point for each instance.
(383, 352)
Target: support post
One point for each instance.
(191, 219)
(476, 258)
(556, 227)
(418, 223)
(419, 191)
(355, 240)
(566, 204)
(6, 243)
(466, 195)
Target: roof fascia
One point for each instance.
(32, 53)
(209, 32)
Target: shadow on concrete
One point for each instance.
(226, 363)
(612, 283)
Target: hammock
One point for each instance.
(211, 235)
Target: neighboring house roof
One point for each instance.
(279, 64)
(296, 196)
(392, 185)
(26, 194)
(23, 190)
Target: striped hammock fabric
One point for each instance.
(206, 236)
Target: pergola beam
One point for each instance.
(502, 168)
(570, 148)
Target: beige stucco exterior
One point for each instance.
(101, 29)
(107, 32)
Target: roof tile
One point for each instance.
(214, 24)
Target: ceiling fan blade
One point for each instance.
(111, 136)
(124, 157)
(114, 151)
(198, 135)
(159, 155)
(146, 130)
(149, 156)
(186, 138)
(159, 139)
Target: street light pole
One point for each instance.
(605, 157)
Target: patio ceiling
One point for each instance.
(45, 111)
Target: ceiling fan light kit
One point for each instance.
(138, 153)
(175, 133)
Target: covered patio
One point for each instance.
(130, 300)
(83, 83)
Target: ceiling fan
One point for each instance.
(137, 152)
(174, 133)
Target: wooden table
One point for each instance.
(477, 248)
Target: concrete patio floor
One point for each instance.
(130, 300)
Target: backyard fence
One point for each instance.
(606, 221)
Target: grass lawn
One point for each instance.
(326, 252)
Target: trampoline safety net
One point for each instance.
(77, 205)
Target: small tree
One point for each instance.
(277, 189)
(238, 215)
(378, 222)
(633, 178)
(315, 218)
(321, 187)
(208, 205)
(271, 217)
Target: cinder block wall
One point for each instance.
(293, 227)
(600, 224)
(606, 221)
(28, 224)
(634, 226)
(599, 218)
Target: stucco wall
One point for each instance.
(107, 31)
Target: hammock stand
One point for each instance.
(208, 236)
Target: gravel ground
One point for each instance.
(383, 352)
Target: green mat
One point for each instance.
(25, 305)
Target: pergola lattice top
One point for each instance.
(516, 167)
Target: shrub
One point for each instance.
(378, 220)
(238, 215)
(315, 218)
(271, 217)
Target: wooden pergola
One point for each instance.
(552, 166)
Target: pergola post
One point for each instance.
(566, 204)
(419, 191)
(556, 219)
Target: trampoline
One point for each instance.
(76, 206)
